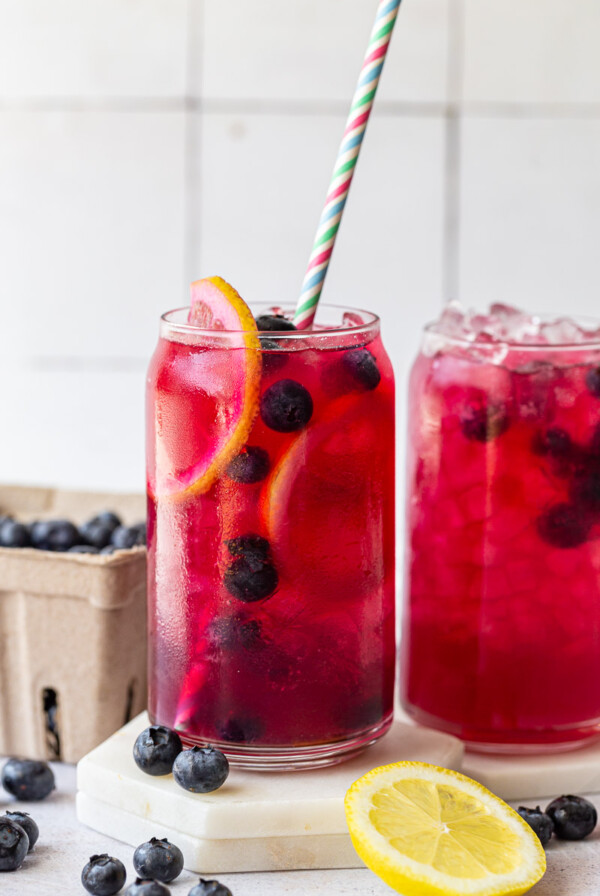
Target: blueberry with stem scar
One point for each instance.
(28, 825)
(158, 860)
(156, 749)
(14, 845)
(103, 875)
(539, 822)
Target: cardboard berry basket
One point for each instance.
(72, 631)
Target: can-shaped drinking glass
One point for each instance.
(501, 630)
(271, 538)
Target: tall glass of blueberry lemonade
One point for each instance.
(501, 635)
(270, 530)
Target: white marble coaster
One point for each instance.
(522, 777)
(264, 821)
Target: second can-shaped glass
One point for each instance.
(271, 578)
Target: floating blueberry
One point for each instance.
(539, 822)
(286, 406)
(251, 465)
(14, 844)
(103, 875)
(14, 535)
(28, 824)
(484, 423)
(554, 441)
(234, 633)
(83, 549)
(210, 888)
(201, 769)
(156, 749)
(585, 490)
(54, 535)
(28, 779)
(592, 381)
(158, 860)
(124, 537)
(241, 730)
(563, 526)
(141, 887)
(274, 322)
(573, 817)
(253, 545)
(362, 367)
(250, 578)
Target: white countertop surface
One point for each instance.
(54, 866)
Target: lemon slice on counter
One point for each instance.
(429, 831)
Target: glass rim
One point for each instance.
(479, 343)
(372, 320)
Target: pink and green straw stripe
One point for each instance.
(347, 157)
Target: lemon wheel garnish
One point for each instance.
(429, 831)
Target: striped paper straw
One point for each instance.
(339, 187)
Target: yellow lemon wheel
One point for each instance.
(429, 831)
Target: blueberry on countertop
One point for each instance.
(201, 769)
(286, 406)
(28, 779)
(538, 821)
(158, 860)
(14, 844)
(250, 466)
(573, 817)
(156, 749)
(142, 887)
(103, 875)
(210, 888)
(28, 825)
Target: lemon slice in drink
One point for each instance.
(206, 397)
(429, 831)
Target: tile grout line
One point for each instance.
(452, 155)
(252, 106)
(194, 76)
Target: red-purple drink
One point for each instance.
(271, 580)
(501, 635)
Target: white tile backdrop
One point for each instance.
(144, 143)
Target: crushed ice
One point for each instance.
(503, 323)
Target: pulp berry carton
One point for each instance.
(72, 632)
